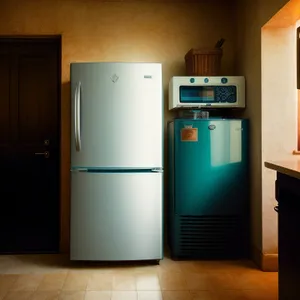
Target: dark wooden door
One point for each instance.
(29, 145)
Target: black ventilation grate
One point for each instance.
(205, 236)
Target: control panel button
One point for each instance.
(206, 80)
(192, 80)
(224, 80)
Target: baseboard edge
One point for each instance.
(266, 262)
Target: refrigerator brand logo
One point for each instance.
(114, 78)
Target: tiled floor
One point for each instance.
(53, 277)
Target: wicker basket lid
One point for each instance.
(204, 51)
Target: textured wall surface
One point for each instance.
(252, 15)
(279, 117)
(160, 31)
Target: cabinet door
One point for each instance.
(288, 196)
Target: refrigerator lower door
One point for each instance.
(116, 216)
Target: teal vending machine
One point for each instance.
(208, 205)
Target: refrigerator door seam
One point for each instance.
(110, 171)
(157, 170)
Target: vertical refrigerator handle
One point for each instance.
(77, 117)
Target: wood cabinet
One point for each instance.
(288, 197)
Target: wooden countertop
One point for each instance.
(287, 167)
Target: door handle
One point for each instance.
(77, 117)
(46, 154)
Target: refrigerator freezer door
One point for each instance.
(116, 216)
(117, 115)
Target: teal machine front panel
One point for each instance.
(209, 194)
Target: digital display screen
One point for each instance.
(197, 94)
(207, 94)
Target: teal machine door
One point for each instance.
(208, 187)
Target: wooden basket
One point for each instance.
(203, 62)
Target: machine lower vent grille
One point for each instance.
(210, 235)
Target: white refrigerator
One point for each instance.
(116, 161)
